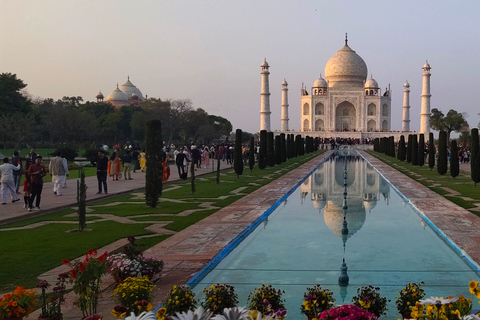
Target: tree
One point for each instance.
(391, 146)
(278, 155)
(401, 149)
(414, 150)
(283, 147)
(237, 154)
(154, 173)
(421, 150)
(262, 155)
(474, 157)
(453, 121)
(251, 154)
(82, 200)
(431, 151)
(454, 162)
(270, 150)
(442, 162)
(409, 148)
(12, 100)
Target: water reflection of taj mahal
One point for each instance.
(325, 188)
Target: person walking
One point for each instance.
(179, 160)
(143, 161)
(17, 174)
(206, 157)
(32, 156)
(7, 180)
(26, 186)
(113, 167)
(101, 162)
(135, 156)
(36, 172)
(59, 172)
(127, 161)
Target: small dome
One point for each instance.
(346, 68)
(265, 64)
(128, 88)
(99, 95)
(371, 84)
(320, 83)
(406, 84)
(118, 95)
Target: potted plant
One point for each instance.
(316, 300)
(151, 266)
(370, 299)
(185, 298)
(218, 297)
(268, 301)
(52, 305)
(347, 311)
(86, 277)
(18, 304)
(121, 267)
(408, 297)
(133, 294)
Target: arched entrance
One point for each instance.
(345, 117)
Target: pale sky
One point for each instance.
(210, 51)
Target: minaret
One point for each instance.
(425, 110)
(265, 98)
(406, 107)
(284, 118)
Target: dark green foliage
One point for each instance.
(421, 150)
(82, 200)
(290, 146)
(414, 150)
(283, 148)
(154, 173)
(454, 162)
(217, 152)
(442, 153)
(68, 153)
(431, 151)
(237, 153)
(391, 146)
(376, 145)
(278, 152)
(409, 148)
(474, 157)
(192, 177)
(262, 155)
(402, 154)
(270, 150)
(251, 154)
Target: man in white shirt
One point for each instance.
(59, 172)
(7, 180)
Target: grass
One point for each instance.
(464, 194)
(27, 253)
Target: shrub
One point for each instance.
(132, 291)
(317, 300)
(238, 156)
(454, 162)
(218, 297)
(68, 153)
(442, 153)
(431, 151)
(185, 298)
(370, 299)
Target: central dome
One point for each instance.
(346, 68)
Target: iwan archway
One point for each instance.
(345, 117)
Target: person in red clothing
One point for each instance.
(36, 172)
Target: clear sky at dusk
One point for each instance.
(210, 51)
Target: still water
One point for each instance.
(388, 245)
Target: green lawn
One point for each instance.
(26, 253)
(464, 194)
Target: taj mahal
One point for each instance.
(345, 104)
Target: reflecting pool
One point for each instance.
(384, 242)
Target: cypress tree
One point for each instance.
(154, 173)
(431, 151)
(409, 149)
(296, 145)
(392, 146)
(421, 150)
(401, 149)
(82, 200)
(278, 151)
(262, 154)
(237, 154)
(414, 150)
(283, 147)
(474, 157)
(270, 150)
(251, 154)
(442, 153)
(217, 153)
(376, 144)
(454, 162)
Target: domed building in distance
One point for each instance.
(345, 100)
(127, 94)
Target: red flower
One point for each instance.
(65, 261)
(73, 274)
(102, 257)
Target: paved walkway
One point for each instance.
(186, 252)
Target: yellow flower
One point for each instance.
(417, 310)
(364, 304)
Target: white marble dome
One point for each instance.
(129, 89)
(117, 96)
(347, 68)
(371, 84)
(320, 83)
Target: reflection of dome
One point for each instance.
(346, 67)
(333, 216)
